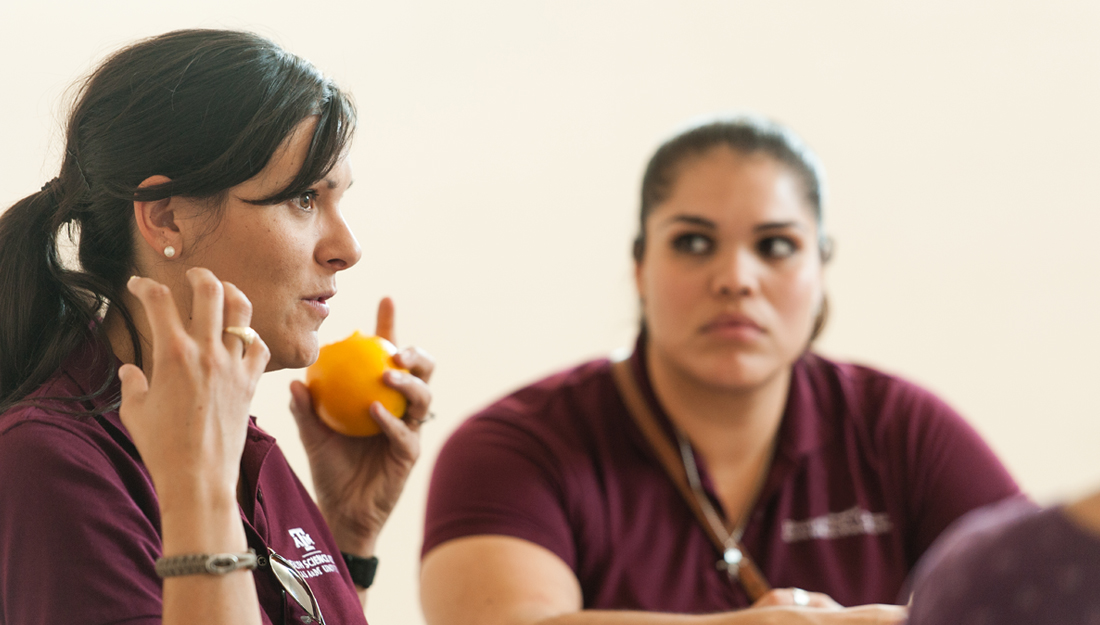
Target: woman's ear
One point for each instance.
(827, 247)
(156, 221)
(639, 281)
(638, 252)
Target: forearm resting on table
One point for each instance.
(499, 580)
(863, 615)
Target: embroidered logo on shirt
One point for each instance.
(852, 522)
(302, 540)
(314, 562)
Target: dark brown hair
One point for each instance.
(205, 108)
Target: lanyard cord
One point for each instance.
(740, 568)
(732, 556)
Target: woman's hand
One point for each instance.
(189, 421)
(189, 418)
(873, 614)
(358, 480)
(795, 606)
(795, 597)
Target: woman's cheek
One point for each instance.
(802, 298)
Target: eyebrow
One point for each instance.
(778, 225)
(703, 222)
(332, 184)
(694, 220)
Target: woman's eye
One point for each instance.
(776, 247)
(306, 200)
(693, 244)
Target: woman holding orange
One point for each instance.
(204, 172)
(723, 473)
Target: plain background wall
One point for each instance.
(502, 143)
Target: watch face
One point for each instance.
(362, 569)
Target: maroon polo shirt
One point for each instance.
(869, 469)
(80, 523)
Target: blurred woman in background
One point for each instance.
(722, 465)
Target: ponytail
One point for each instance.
(41, 318)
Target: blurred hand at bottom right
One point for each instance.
(792, 606)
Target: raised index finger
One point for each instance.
(160, 308)
(383, 327)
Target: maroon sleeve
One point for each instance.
(494, 476)
(74, 545)
(947, 469)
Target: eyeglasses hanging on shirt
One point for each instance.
(296, 586)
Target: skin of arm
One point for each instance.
(500, 580)
(188, 417)
(206, 528)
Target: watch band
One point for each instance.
(362, 569)
(205, 563)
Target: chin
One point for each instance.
(296, 356)
(740, 373)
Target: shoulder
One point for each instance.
(50, 416)
(862, 384)
(516, 467)
(872, 398)
(43, 452)
(552, 433)
(35, 433)
(49, 440)
(578, 385)
(564, 404)
(1005, 550)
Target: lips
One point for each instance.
(734, 325)
(321, 297)
(317, 302)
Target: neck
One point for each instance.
(119, 336)
(728, 427)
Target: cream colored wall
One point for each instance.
(502, 143)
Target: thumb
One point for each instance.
(301, 406)
(134, 384)
(134, 388)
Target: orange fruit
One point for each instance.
(347, 379)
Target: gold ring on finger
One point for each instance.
(246, 334)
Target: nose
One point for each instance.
(737, 274)
(338, 248)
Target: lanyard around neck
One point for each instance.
(735, 560)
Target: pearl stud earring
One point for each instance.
(169, 251)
